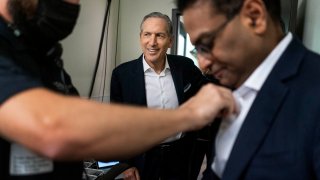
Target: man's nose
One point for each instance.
(204, 63)
(153, 40)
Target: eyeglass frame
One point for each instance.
(204, 49)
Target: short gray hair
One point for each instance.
(159, 15)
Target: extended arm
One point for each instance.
(62, 127)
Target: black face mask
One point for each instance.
(54, 20)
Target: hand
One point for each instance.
(210, 102)
(131, 174)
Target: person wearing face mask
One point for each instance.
(46, 131)
(52, 22)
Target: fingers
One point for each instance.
(128, 174)
(136, 173)
(131, 174)
(220, 101)
(228, 103)
(210, 102)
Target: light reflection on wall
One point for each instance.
(184, 46)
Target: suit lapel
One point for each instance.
(176, 73)
(254, 129)
(138, 88)
(263, 112)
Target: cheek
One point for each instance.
(164, 44)
(143, 43)
(233, 42)
(204, 64)
(230, 50)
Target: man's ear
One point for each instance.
(254, 15)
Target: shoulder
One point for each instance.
(129, 65)
(180, 59)
(311, 61)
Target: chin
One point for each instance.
(225, 83)
(151, 57)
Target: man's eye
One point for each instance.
(162, 36)
(202, 49)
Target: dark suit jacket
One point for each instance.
(280, 137)
(128, 86)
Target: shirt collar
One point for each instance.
(146, 66)
(260, 74)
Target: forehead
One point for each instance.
(201, 18)
(154, 24)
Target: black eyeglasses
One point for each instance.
(205, 43)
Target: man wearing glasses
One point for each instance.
(276, 135)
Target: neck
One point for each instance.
(277, 33)
(157, 66)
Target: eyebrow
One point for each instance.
(203, 36)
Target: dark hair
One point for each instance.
(159, 15)
(232, 7)
(21, 11)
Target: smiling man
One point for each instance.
(162, 81)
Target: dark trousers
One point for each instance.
(173, 161)
(162, 162)
(178, 160)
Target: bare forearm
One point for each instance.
(128, 130)
(132, 130)
(77, 128)
(70, 128)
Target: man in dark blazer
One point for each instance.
(158, 80)
(276, 134)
